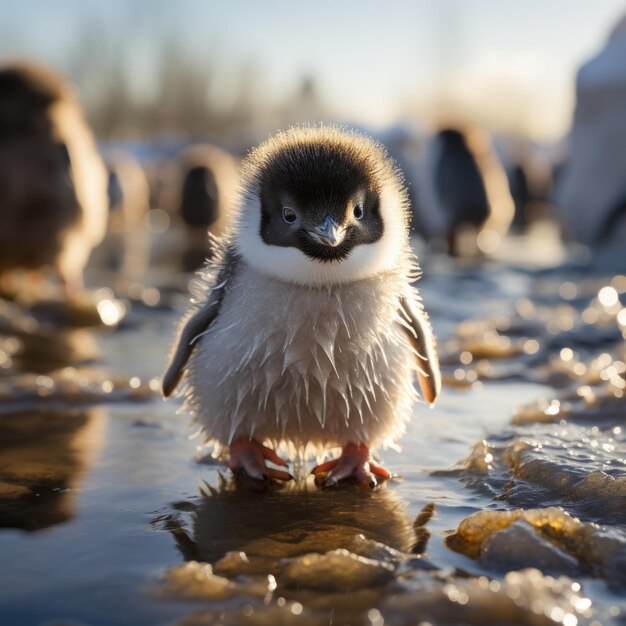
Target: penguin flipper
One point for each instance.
(190, 330)
(195, 326)
(424, 342)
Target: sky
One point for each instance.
(511, 64)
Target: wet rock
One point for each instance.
(568, 451)
(525, 597)
(334, 570)
(557, 542)
(599, 482)
(508, 549)
(196, 581)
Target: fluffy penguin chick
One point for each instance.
(306, 331)
(53, 184)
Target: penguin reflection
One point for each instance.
(39, 474)
(291, 521)
(44, 352)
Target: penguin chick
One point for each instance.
(306, 331)
(53, 184)
(125, 248)
(463, 188)
(207, 197)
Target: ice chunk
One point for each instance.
(339, 569)
(196, 581)
(557, 541)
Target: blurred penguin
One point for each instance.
(125, 248)
(462, 193)
(53, 183)
(208, 186)
(590, 190)
(518, 183)
(530, 174)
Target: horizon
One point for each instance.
(372, 65)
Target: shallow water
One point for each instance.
(110, 515)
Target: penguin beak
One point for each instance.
(329, 232)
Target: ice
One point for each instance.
(234, 564)
(336, 570)
(526, 597)
(548, 539)
(375, 550)
(196, 581)
(89, 469)
(519, 546)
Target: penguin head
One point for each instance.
(321, 205)
(27, 92)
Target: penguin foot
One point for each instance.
(249, 455)
(355, 462)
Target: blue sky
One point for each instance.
(374, 61)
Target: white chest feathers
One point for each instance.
(312, 368)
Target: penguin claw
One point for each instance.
(279, 474)
(271, 455)
(249, 455)
(355, 462)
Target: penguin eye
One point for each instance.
(358, 211)
(289, 215)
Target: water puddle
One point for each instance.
(510, 508)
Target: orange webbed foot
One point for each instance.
(249, 455)
(355, 462)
